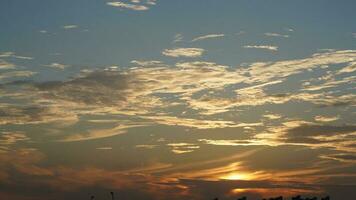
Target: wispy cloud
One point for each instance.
(321, 118)
(70, 26)
(8, 139)
(195, 90)
(147, 63)
(178, 38)
(266, 47)
(15, 74)
(13, 55)
(57, 66)
(276, 35)
(151, 2)
(210, 36)
(6, 65)
(272, 116)
(183, 52)
(129, 6)
(104, 148)
(289, 29)
(181, 148)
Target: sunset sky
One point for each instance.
(177, 99)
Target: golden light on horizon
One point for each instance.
(238, 176)
(273, 191)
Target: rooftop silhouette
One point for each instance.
(299, 197)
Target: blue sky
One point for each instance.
(192, 98)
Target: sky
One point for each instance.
(168, 99)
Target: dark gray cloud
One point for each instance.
(349, 157)
(100, 87)
(20, 114)
(305, 133)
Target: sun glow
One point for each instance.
(237, 176)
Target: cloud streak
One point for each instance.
(183, 52)
(266, 47)
(210, 36)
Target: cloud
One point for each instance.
(70, 26)
(289, 29)
(8, 139)
(326, 118)
(128, 6)
(57, 66)
(315, 135)
(342, 157)
(230, 142)
(151, 2)
(178, 38)
(146, 146)
(102, 87)
(34, 114)
(319, 130)
(348, 69)
(6, 65)
(197, 94)
(276, 35)
(271, 48)
(210, 36)
(147, 63)
(104, 148)
(99, 134)
(182, 148)
(184, 52)
(10, 54)
(16, 74)
(193, 123)
(272, 116)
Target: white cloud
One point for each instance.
(10, 54)
(289, 29)
(151, 2)
(57, 66)
(184, 52)
(320, 118)
(267, 47)
(128, 6)
(104, 148)
(181, 148)
(197, 87)
(348, 69)
(70, 26)
(6, 65)
(147, 63)
(178, 38)
(96, 134)
(276, 35)
(272, 116)
(14, 74)
(204, 37)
